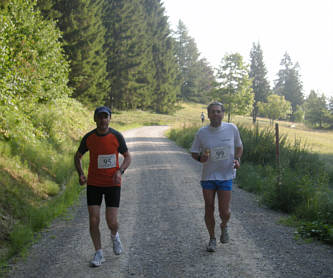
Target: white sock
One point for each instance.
(114, 236)
(100, 251)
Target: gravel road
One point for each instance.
(163, 232)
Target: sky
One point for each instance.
(302, 28)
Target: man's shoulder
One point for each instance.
(114, 132)
(203, 130)
(230, 125)
(91, 132)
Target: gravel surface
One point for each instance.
(163, 231)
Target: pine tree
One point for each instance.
(129, 58)
(206, 81)
(187, 58)
(258, 74)
(166, 87)
(83, 34)
(289, 83)
(330, 105)
(330, 110)
(47, 9)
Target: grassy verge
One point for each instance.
(300, 187)
(37, 177)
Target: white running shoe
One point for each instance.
(117, 246)
(211, 247)
(98, 259)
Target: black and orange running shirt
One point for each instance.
(103, 151)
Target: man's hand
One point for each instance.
(117, 177)
(204, 157)
(236, 164)
(82, 179)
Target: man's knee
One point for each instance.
(209, 209)
(94, 221)
(112, 222)
(225, 214)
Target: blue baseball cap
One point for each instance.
(102, 109)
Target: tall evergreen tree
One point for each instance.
(188, 61)
(206, 81)
(330, 105)
(289, 83)
(330, 110)
(129, 58)
(258, 74)
(83, 33)
(165, 86)
(47, 9)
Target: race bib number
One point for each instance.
(106, 161)
(220, 153)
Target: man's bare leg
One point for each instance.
(209, 197)
(94, 219)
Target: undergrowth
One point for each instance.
(299, 185)
(37, 177)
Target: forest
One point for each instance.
(123, 54)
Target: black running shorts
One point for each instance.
(111, 196)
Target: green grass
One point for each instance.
(37, 177)
(38, 181)
(186, 114)
(300, 186)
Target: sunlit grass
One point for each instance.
(38, 177)
(315, 141)
(188, 114)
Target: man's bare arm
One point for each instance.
(78, 166)
(126, 162)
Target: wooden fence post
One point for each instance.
(277, 144)
(277, 155)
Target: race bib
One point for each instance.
(106, 161)
(220, 153)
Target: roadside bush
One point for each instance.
(300, 186)
(316, 229)
(254, 178)
(33, 68)
(184, 136)
(259, 145)
(37, 173)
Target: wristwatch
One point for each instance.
(122, 171)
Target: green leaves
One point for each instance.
(33, 66)
(234, 85)
(275, 108)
